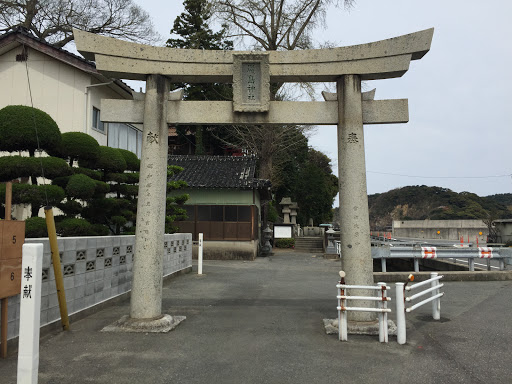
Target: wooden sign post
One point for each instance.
(12, 237)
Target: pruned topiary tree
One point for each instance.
(75, 146)
(27, 129)
(174, 203)
(19, 125)
(119, 171)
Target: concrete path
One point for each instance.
(261, 322)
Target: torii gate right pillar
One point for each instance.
(355, 226)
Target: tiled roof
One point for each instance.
(218, 172)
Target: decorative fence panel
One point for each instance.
(95, 269)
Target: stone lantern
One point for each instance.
(266, 249)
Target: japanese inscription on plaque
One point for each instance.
(251, 82)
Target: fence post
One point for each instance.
(200, 255)
(342, 323)
(30, 313)
(383, 316)
(436, 303)
(416, 265)
(400, 313)
(383, 264)
(471, 263)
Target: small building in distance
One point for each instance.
(503, 230)
(468, 230)
(225, 203)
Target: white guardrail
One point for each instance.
(501, 254)
(402, 299)
(343, 296)
(404, 303)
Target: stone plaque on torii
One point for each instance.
(251, 74)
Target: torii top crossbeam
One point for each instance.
(379, 60)
(383, 59)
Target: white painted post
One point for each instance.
(383, 317)
(339, 315)
(400, 313)
(30, 313)
(200, 255)
(383, 264)
(436, 303)
(342, 315)
(343, 327)
(416, 265)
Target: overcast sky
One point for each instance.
(460, 112)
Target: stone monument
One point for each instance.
(251, 74)
(286, 202)
(293, 213)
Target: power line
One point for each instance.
(441, 177)
(35, 129)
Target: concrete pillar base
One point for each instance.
(161, 324)
(359, 327)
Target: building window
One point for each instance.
(125, 137)
(97, 124)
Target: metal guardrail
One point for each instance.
(417, 253)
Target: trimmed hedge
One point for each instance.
(34, 194)
(12, 167)
(284, 243)
(36, 227)
(18, 125)
(96, 175)
(110, 161)
(81, 187)
(75, 146)
(74, 227)
(132, 161)
(71, 207)
(132, 178)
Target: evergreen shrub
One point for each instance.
(74, 227)
(18, 126)
(35, 227)
(284, 243)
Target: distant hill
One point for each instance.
(502, 198)
(435, 203)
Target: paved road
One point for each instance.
(261, 322)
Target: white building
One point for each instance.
(64, 85)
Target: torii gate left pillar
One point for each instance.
(146, 297)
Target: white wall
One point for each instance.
(57, 88)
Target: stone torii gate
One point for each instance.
(251, 74)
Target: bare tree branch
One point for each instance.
(286, 25)
(54, 20)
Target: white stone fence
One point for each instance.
(95, 269)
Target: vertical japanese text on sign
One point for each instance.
(251, 74)
(251, 82)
